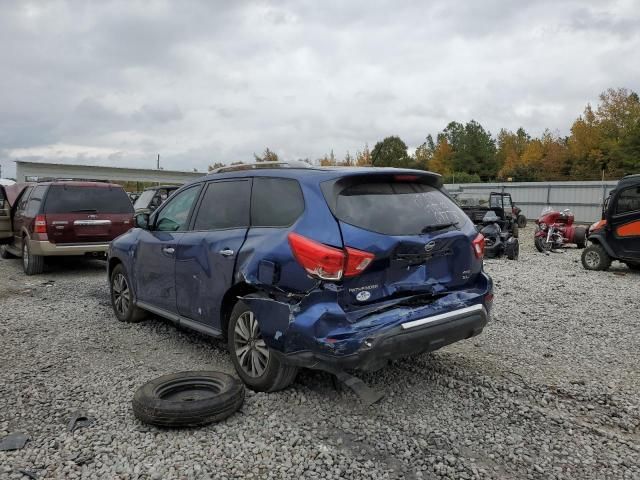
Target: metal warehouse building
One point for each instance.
(38, 170)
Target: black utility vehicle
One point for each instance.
(496, 241)
(617, 235)
(499, 203)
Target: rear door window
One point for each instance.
(275, 202)
(396, 208)
(76, 199)
(224, 205)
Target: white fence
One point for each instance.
(583, 198)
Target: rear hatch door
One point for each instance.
(421, 240)
(87, 214)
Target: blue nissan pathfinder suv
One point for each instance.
(327, 268)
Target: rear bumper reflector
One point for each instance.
(443, 316)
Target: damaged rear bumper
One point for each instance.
(406, 339)
(316, 332)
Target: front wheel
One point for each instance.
(256, 365)
(594, 257)
(542, 245)
(4, 253)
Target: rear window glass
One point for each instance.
(275, 202)
(396, 208)
(68, 199)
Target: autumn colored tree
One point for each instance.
(442, 158)
(363, 159)
(267, 156)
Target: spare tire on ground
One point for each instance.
(188, 399)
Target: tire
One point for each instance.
(512, 250)
(122, 297)
(542, 245)
(522, 221)
(634, 266)
(31, 264)
(580, 237)
(594, 257)
(4, 253)
(188, 399)
(259, 369)
(515, 230)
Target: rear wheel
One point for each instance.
(31, 264)
(122, 297)
(522, 221)
(580, 237)
(258, 368)
(594, 257)
(512, 250)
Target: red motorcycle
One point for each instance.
(555, 229)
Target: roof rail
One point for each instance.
(65, 179)
(256, 165)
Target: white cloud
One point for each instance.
(117, 82)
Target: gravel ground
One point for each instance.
(549, 390)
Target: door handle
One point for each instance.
(226, 252)
(169, 250)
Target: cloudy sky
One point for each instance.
(114, 83)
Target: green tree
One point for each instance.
(390, 152)
(474, 149)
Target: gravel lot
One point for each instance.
(549, 390)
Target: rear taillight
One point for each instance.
(40, 224)
(357, 261)
(325, 262)
(478, 246)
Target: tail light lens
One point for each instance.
(357, 261)
(41, 224)
(478, 246)
(325, 262)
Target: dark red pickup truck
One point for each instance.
(61, 218)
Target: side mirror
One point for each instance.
(142, 220)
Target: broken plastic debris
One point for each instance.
(79, 420)
(13, 441)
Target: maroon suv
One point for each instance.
(55, 218)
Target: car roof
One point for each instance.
(166, 187)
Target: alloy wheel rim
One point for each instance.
(121, 294)
(592, 259)
(250, 349)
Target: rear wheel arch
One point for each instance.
(113, 262)
(229, 301)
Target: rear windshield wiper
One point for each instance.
(94, 210)
(438, 226)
